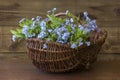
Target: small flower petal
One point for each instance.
(54, 9)
(71, 20)
(44, 46)
(13, 38)
(66, 12)
(88, 43)
(73, 45)
(22, 20)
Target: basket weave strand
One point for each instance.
(60, 57)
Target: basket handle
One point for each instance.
(63, 14)
(60, 14)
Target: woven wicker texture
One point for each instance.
(60, 57)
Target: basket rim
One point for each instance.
(100, 41)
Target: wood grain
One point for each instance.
(106, 12)
(18, 67)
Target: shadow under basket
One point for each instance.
(60, 57)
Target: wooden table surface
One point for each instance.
(19, 67)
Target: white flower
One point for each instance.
(66, 12)
(50, 30)
(13, 38)
(33, 19)
(54, 9)
(85, 14)
(71, 20)
(88, 43)
(48, 12)
(22, 20)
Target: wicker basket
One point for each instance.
(60, 57)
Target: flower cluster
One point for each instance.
(67, 30)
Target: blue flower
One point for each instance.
(31, 35)
(73, 26)
(88, 43)
(87, 30)
(65, 36)
(86, 16)
(93, 24)
(14, 38)
(81, 27)
(42, 35)
(25, 31)
(38, 18)
(73, 45)
(44, 46)
(46, 19)
(60, 30)
(67, 21)
(43, 25)
(80, 43)
(33, 25)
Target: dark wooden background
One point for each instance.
(107, 13)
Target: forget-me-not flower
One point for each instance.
(43, 25)
(42, 34)
(13, 38)
(88, 43)
(65, 36)
(86, 16)
(25, 30)
(71, 20)
(73, 45)
(44, 46)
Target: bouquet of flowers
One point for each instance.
(67, 30)
(70, 30)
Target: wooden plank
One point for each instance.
(19, 67)
(7, 45)
(106, 12)
(111, 45)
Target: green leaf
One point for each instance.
(13, 32)
(20, 35)
(19, 30)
